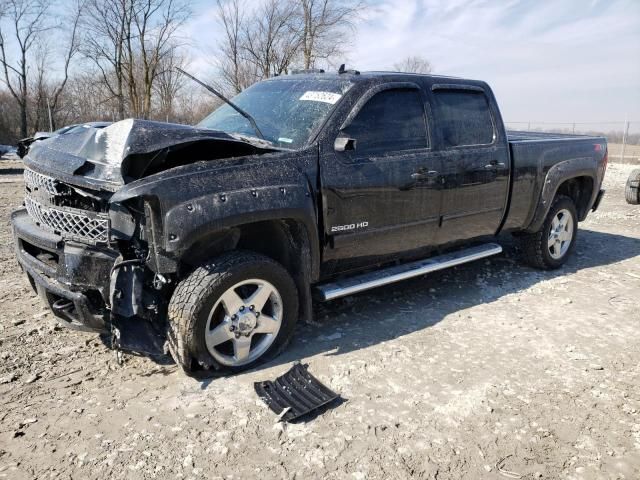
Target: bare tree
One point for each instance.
(85, 99)
(272, 38)
(235, 72)
(38, 90)
(130, 49)
(279, 34)
(155, 23)
(9, 111)
(127, 40)
(104, 44)
(414, 64)
(169, 83)
(326, 27)
(192, 105)
(27, 23)
(46, 89)
(71, 49)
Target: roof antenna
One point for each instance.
(341, 70)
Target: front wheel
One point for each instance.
(551, 245)
(232, 313)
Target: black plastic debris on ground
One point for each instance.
(294, 394)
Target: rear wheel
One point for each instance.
(232, 313)
(551, 245)
(632, 188)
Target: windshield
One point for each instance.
(286, 110)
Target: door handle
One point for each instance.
(494, 164)
(421, 174)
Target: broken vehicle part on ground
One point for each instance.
(218, 239)
(294, 394)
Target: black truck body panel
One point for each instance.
(226, 194)
(543, 162)
(175, 195)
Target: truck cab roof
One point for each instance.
(379, 77)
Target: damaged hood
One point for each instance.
(124, 151)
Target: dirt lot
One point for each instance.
(490, 371)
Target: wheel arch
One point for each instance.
(289, 241)
(580, 190)
(575, 178)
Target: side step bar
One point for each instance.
(396, 273)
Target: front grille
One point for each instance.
(34, 180)
(70, 223)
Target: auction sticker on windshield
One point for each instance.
(326, 97)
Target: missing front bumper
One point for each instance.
(71, 279)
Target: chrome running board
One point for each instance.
(396, 273)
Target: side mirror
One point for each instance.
(342, 144)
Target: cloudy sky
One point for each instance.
(559, 61)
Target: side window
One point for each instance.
(463, 117)
(392, 120)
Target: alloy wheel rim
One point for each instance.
(244, 322)
(560, 234)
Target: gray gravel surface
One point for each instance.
(491, 370)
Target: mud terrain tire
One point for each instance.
(197, 295)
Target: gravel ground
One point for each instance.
(491, 370)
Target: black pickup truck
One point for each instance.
(216, 238)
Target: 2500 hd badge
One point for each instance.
(352, 226)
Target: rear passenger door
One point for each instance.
(475, 163)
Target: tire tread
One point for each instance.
(192, 292)
(632, 194)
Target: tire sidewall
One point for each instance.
(632, 194)
(562, 203)
(265, 269)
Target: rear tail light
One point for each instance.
(598, 147)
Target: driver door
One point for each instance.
(380, 181)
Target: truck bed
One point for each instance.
(514, 136)
(532, 155)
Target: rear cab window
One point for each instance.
(463, 117)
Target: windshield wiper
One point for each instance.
(227, 101)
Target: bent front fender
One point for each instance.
(187, 223)
(187, 204)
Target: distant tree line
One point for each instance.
(108, 60)
(114, 59)
(96, 59)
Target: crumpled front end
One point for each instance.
(71, 278)
(107, 158)
(87, 252)
(72, 251)
(62, 243)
